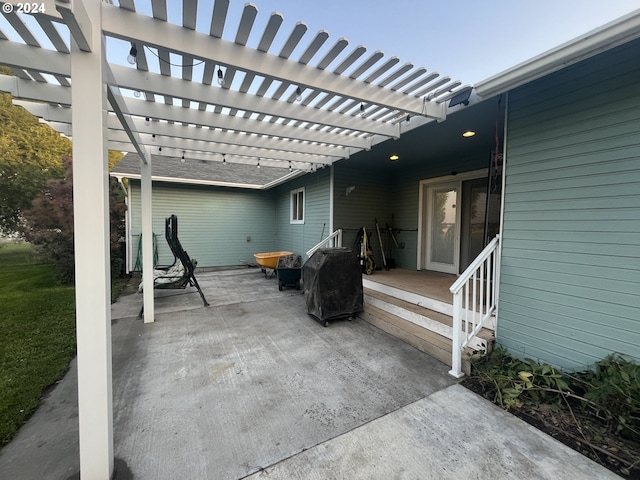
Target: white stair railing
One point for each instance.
(333, 240)
(475, 298)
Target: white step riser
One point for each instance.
(424, 302)
(422, 321)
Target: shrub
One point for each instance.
(613, 388)
(49, 224)
(609, 391)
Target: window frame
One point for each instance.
(296, 217)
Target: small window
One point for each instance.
(297, 205)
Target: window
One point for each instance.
(297, 205)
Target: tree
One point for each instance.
(30, 154)
(49, 224)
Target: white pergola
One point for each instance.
(190, 94)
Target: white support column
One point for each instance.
(147, 241)
(91, 224)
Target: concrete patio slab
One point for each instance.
(252, 385)
(452, 434)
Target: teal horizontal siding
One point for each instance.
(299, 238)
(371, 199)
(213, 223)
(570, 280)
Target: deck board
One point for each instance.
(426, 283)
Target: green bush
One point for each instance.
(609, 391)
(613, 388)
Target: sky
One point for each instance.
(467, 40)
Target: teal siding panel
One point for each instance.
(299, 238)
(216, 226)
(584, 250)
(371, 199)
(570, 283)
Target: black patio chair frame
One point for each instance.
(188, 278)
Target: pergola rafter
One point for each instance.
(312, 113)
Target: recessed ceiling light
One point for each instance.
(394, 157)
(468, 133)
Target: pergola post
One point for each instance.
(147, 241)
(92, 252)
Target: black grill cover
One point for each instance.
(332, 280)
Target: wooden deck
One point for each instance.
(426, 283)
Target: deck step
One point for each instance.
(428, 330)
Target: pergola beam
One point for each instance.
(78, 22)
(197, 92)
(57, 117)
(119, 107)
(122, 24)
(212, 147)
(143, 109)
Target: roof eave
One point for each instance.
(214, 183)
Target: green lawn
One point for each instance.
(37, 328)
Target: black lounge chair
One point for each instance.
(180, 273)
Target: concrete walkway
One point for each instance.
(252, 387)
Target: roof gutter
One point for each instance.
(613, 34)
(137, 176)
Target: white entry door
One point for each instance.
(443, 227)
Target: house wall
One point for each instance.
(404, 199)
(299, 238)
(213, 223)
(370, 199)
(570, 283)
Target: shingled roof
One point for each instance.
(203, 172)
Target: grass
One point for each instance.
(38, 334)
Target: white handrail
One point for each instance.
(335, 238)
(480, 281)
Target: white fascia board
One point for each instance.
(608, 36)
(130, 26)
(239, 124)
(176, 87)
(137, 176)
(286, 178)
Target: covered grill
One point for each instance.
(332, 281)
